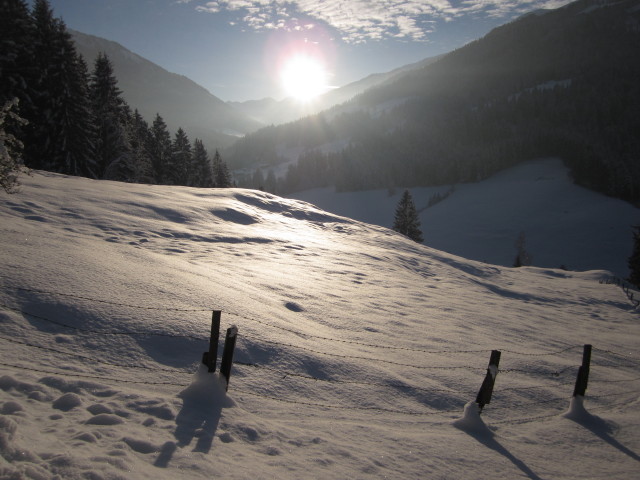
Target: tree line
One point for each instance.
(75, 121)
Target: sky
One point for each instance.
(237, 49)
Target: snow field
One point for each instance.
(564, 225)
(358, 350)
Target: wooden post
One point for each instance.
(486, 390)
(583, 373)
(227, 353)
(210, 358)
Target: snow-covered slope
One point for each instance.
(357, 350)
(564, 224)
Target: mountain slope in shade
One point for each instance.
(180, 101)
(273, 112)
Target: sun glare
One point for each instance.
(303, 78)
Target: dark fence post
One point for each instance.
(486, 390)
(583, 373)
(209, 358)
(227, 353)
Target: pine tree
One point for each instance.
(74, 120)
(138, 165)
(634, 259)
(17, 71)
(181, 157)
(221, 175)
(41, 149)
(202, 175)
(109, 112)
(160, 149)
(17, 37)
(406, 219)
(10, 147)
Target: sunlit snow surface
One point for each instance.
(357, 351)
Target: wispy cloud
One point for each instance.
(362, 20)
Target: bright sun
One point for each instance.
(303, 78)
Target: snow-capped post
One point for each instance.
(486, 390)
(209, 358)
(583, 373)
(227, 353)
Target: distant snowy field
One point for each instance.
(358, 349)
(564, 225)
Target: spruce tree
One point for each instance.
(74, 128)
(109, 113)
(202, 175)
(160, 149)
(10, 146)
(406, 219)
(17, 70)
(634, 259)
(181, 157)
(41, 144)
(221, 175)
(138, 166)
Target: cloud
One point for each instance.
(362, 20)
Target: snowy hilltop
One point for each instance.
(359, 353)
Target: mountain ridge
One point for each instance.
(272, 112)
(180, 101)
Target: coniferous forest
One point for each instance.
(71, 117)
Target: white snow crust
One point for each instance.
(359, 352)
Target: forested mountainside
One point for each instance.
(552, 83)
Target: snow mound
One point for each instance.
(471, 422)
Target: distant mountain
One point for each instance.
(274, 112)
(562, 83)
(180, 101)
